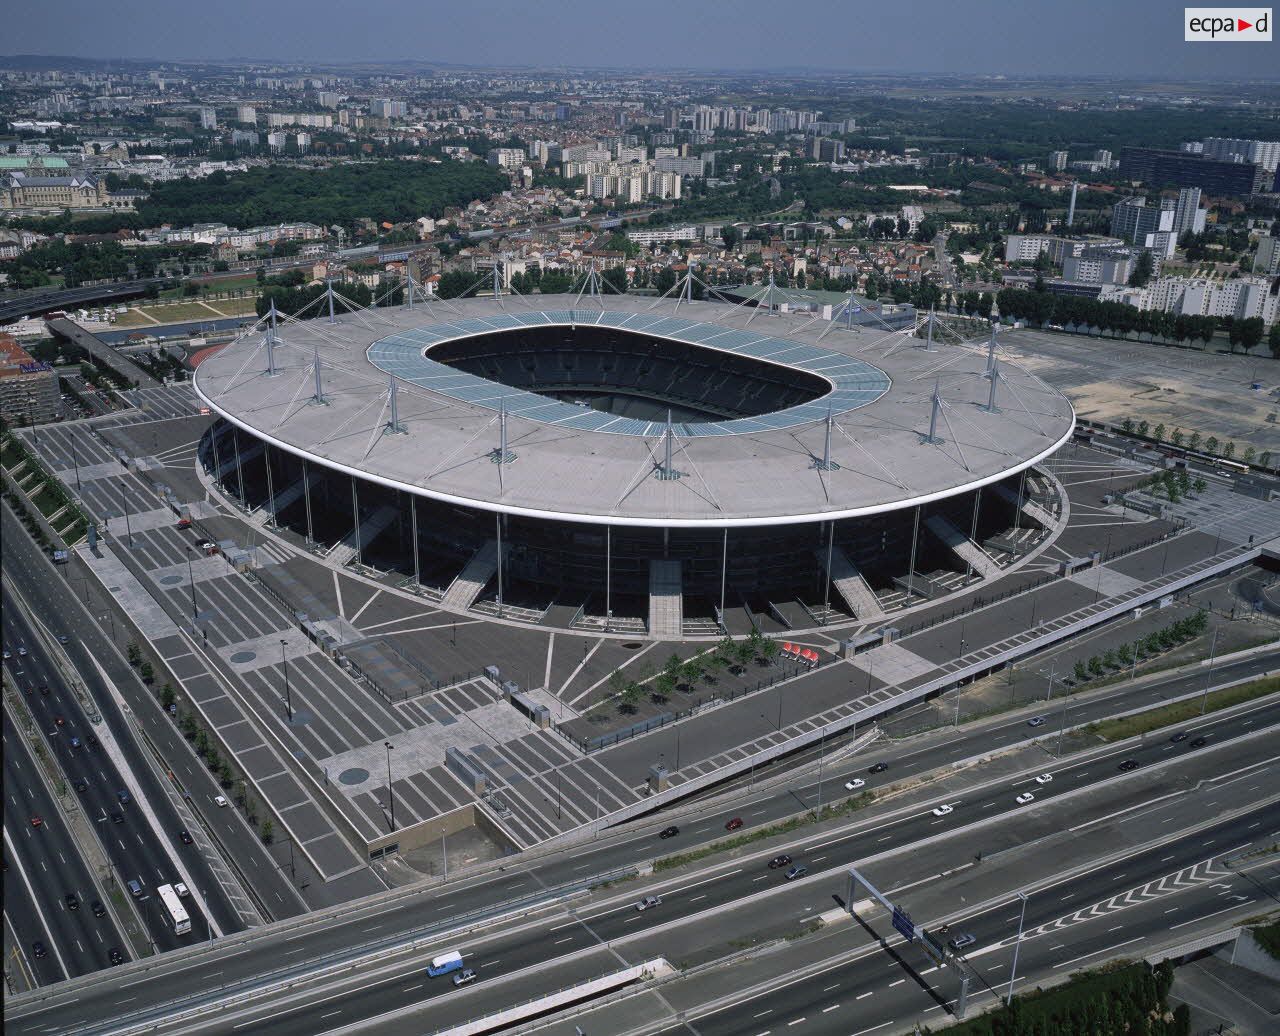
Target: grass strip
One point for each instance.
(1182, 711)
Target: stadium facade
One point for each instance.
(625, 465)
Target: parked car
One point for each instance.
(733, 824)
(647, 902)
(779, 861)
(669, 832)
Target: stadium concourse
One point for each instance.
(633, 466)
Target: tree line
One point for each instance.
(1119, 318)
(390, 191)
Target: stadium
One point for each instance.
(632, 466)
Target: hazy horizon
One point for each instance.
(1141, 39)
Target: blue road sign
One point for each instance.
(902, 922)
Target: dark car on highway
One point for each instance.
(779, 861)
(73, 901)
(98, 909)
(733, 824)
(1181, 735)
(1129, 764)
(669, 832)
(38, 949)
(1199, 742)
(878, 768)
(115, 955)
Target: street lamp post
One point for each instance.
(391, 792)
(191, 579)
(1208, 677)
(1065, 705)
(1013, 970)
(75, 461)
(444, 853)
(822, 744)
(124, 506)
(288, 698)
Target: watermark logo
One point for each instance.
(1227, 25)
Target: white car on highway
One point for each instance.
(943, 810)
(1026, 797)
(854, 784)
(1044, 778)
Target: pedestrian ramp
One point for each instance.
(473, 578)
(961, 546)
(271, 508)
(850, 584)
(1029, 507)
(367, 530)
(666, 599)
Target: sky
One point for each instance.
(1141, 38)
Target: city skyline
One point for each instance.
(994, 37)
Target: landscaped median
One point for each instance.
(1183, 711)
(831, 812)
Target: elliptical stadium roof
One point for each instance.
(567, 463)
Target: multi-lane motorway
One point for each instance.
(50, 597)
(354, 933)
(118, 803)
(42, 867)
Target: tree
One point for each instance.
(1142, 270)
(1249, 454)
(729, 235)
(1229, 450)
(1176, 438)
(1081, 672)
(1127, 425)
(1265, 459)
(1273, 339)
(1095, 665)
(617, 681)
(1211, 444)
(1158, 432)
(188, 726)
(167, 696)
(1200, 485)
(1194, 441)
(268, 831)
(1250, 331)
(202, 742)
(134, 654)
(1142, 428)
(147, 671)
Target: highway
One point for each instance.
(353, 933)
(46, 861)
(134, 849)
(48, 593)
(1068, 923)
